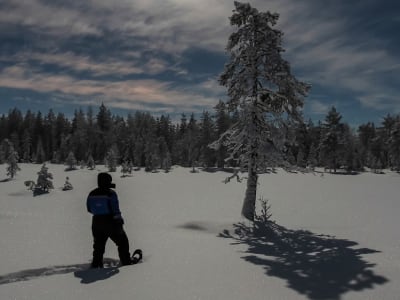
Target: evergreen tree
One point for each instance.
(40, 155)
(79, 138)
(3, 127)
(12, 162)
(139, 150)
(38, 134)
(50, 139)
(301, 145)
(110, 160)
(14, 127)
(332, 143)
(67, 185)
(165, 131)
(366, 134)
(192, 142)
(312, 160)
(2, 155)
(152, 155)
(351, 159)
(126, 168)
(56, 157)
(62, 130)
(167, 163)
(260, 85)
(71, 161)
(44, 181)
(162, 150)
(26, 146)
(388, 125)
(90, 162)
(104, 136)
(207, 136)
(222, 123)
(90, 131)
(6, 147)
(120, 135)
(394, 146)
(15, 141)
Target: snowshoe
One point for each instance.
(137, 256)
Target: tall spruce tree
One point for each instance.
(261, 87)
(40, 156)
(12, 162)
(71, 161)
(332, 143)
(90, 162)
(207, 136)
(222, 124)
(111, 159)
(104, 133)
(394, 146)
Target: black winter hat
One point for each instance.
(104, 180)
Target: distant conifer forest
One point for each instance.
(149, 142)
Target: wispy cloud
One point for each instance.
(131, 64)
(126, 94)
(99, 46)
(318, 108)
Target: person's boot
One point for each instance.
(134, 259)
(96, 264)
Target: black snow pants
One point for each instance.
(104, 227)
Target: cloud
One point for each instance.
(318, 107)
(132, 64)
(120, 93)
(329, 51)
(170, 26)
(52, 19)
(327, 44)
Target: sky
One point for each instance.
(165, 56)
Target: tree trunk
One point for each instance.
(249, 203)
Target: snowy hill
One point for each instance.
(336, 237)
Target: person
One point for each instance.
(107, 222)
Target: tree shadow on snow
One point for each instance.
(81, 271)
(317, 266)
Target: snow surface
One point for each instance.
(337, 237)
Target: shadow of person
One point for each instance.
(92, 275)
(317, 266)
(80, 270)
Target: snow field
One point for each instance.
(177, 219)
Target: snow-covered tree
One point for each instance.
(152, 155)
(90, 162)
(71, 161)
(67, 185)
(40, 155)
(332, 143)
(12, 161)
(5, 150)
(2, 155)
(207, 155)
(394, 146)
(44, 181)
(126, 168)
(26, 146)
(312, 160)
(222, 123)
(262, 88)
(111, 160)
(166, 163)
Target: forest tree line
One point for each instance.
(156, 142)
